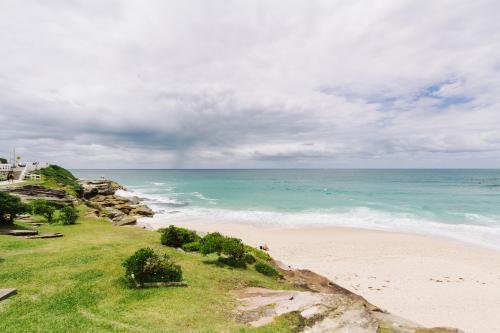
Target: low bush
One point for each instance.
(68, 215)
(266, 269)
(10, 207)
(147, 266)
(212, 243)
(176, 237)
(234, 248)
(230, 261)
(44, 208)
(191, 247)
(249, 259)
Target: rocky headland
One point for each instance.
(100, 196)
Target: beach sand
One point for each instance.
(431, 281)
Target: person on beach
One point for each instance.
(264, 247)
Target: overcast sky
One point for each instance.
(223, 84)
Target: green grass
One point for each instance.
(75, 284)
(57, 177)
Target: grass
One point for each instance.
(75, 284)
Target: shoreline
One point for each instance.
(433, 280)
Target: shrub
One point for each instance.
(234, 248)
(230, 261)
(231, 247)
(266, 269)
(212, 243)
(44, 208)
(249, 259)
(175, 237)
(191, 247)
(69, 215)
(10, 207)
(147, 266)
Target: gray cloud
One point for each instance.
(251, 84)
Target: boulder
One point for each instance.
(142, 210)
(113, 213)
(125, 221)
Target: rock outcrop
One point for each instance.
(100, 195)
(33, 192)
(323, 306)
(92, 188)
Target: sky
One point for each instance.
(251, 84)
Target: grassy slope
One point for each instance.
(75, 284)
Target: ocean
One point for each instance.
(459, 204)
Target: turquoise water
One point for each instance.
(461, 204)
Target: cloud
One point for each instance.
(251, 84)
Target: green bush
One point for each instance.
(68, 215)
(147, 266)
(191, 247)
(230, 261)
(249, 259)
(234, 248)
(176, 237)
(212, 243)
(10, 207)
(266, 269)
(44, 208)
(3, 160)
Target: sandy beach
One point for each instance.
(433, 281)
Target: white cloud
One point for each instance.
(251, 84)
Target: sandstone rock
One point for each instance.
(142, 210)
(6, 293)
(46, 235)
(125, 221)
(113, 213)
(22, 232)
(33, 192)
(92, 188)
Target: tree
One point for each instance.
(3, 160)
(10, 207)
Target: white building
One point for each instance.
(5, 167)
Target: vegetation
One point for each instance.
(176, 237)
(266, 269)
(147, 266)
(212, 243)
(3, 160)
(10, 207)
(191, 247)
(75, 284)
(45, 209)
(55, 176)
(68, 215)
(249, 259)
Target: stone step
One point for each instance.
(6, 293)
